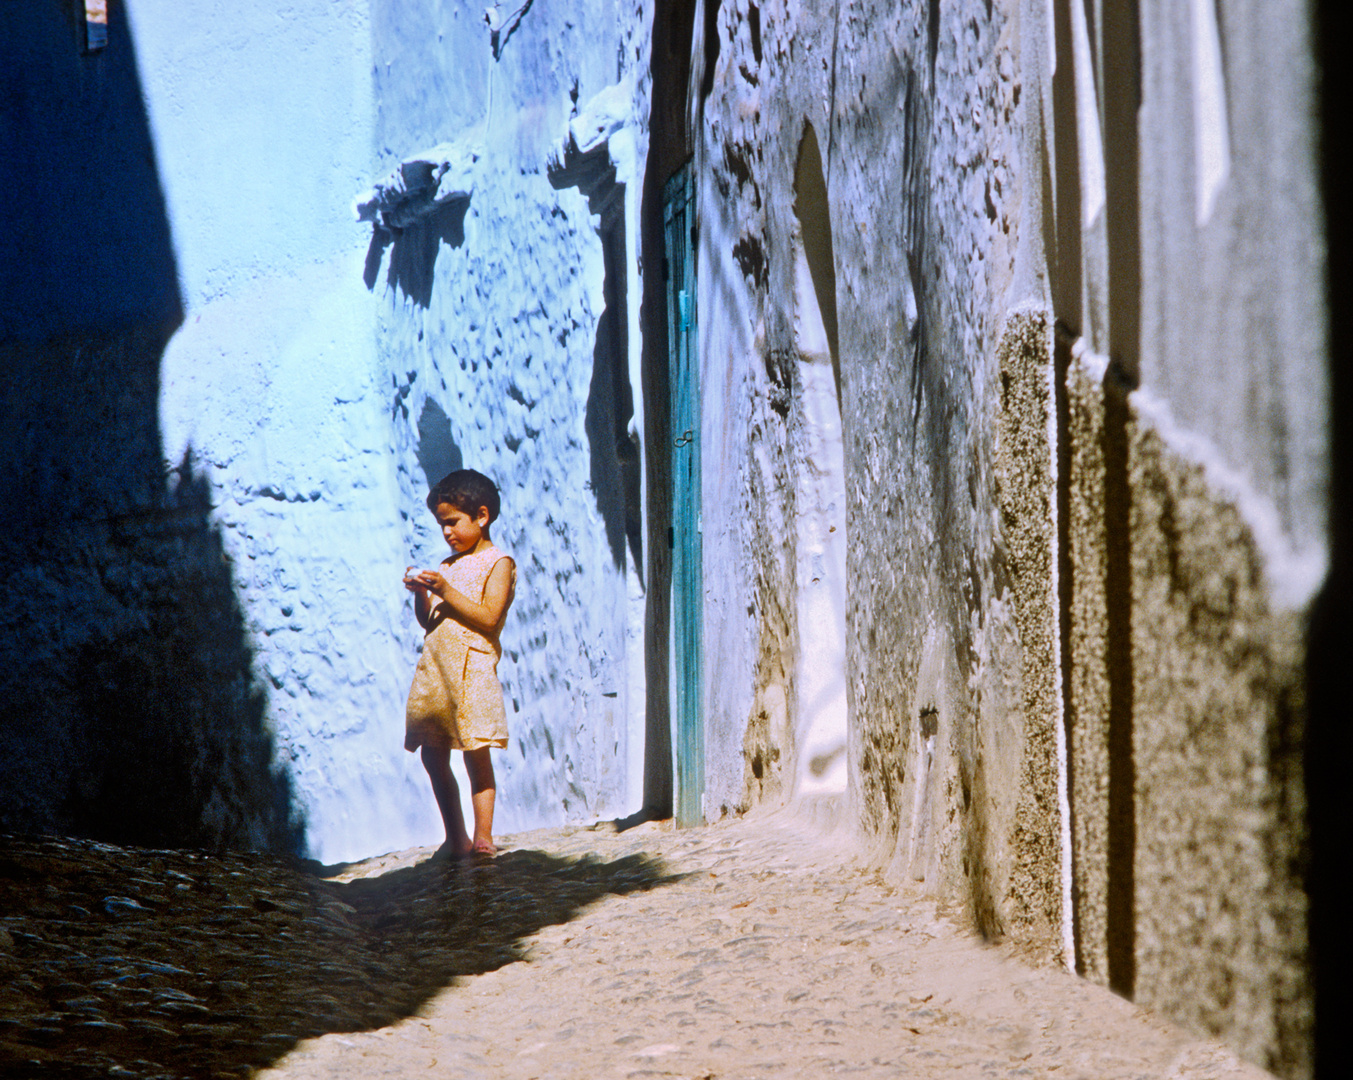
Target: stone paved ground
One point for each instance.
(737, 950)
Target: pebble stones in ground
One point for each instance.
(135, 963)
(739, 950)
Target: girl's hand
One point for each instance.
(430, 580)
(411, 579)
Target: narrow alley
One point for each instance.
(932, 409)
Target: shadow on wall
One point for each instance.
(610, 405)
(614, 478)
(87, 243)
(297, 957)
(438, 453)
(414, 248)
(668, 147)
(128, 710)
(815, 230)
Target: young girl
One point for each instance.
(455, 702)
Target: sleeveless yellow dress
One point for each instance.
(456, 700)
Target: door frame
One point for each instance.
(687, 671)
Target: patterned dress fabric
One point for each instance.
(456, 699)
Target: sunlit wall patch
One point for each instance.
(1212, 145)
(1090, 137)
(96, 25)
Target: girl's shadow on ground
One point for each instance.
(147, 963)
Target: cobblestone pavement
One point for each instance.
(738, 950)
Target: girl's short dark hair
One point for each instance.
(466, 490)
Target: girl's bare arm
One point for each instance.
(486, 617)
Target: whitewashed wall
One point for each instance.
(263, 122)
(316, 378)
(493, 361)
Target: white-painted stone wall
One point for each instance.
(494, 362)
(312, 385)
(263, 121)
(913, 120)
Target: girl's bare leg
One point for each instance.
(437, 761)
(479, 766)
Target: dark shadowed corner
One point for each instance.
(673, 24)
(130, 709)
(1327, 744)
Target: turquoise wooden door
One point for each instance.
(687, 577)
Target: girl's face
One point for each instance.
(462, 531)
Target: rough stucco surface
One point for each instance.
(948, 474)
(492, 355)
(237, 672)
(1227, 468)
(745, 152)
(955, 432)
(1026, 489)
(1088, 697)
(1217, 691)
(916, 116)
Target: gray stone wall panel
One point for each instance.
(1218, 702)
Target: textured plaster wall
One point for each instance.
(507, 341)
(263, 120)
(757, 78)
(1089, 682)
(193, 475)
(1252, 248)
(747, 493)
(1197, 535)
(1187, 793)
(1188, 884)
(946, 402)
(1074, 611)
(1249, 247)
(947, 381)
(1217, 692)
(1026, 483)
(220, 461)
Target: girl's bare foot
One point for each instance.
(485, 847)
(451, 851)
